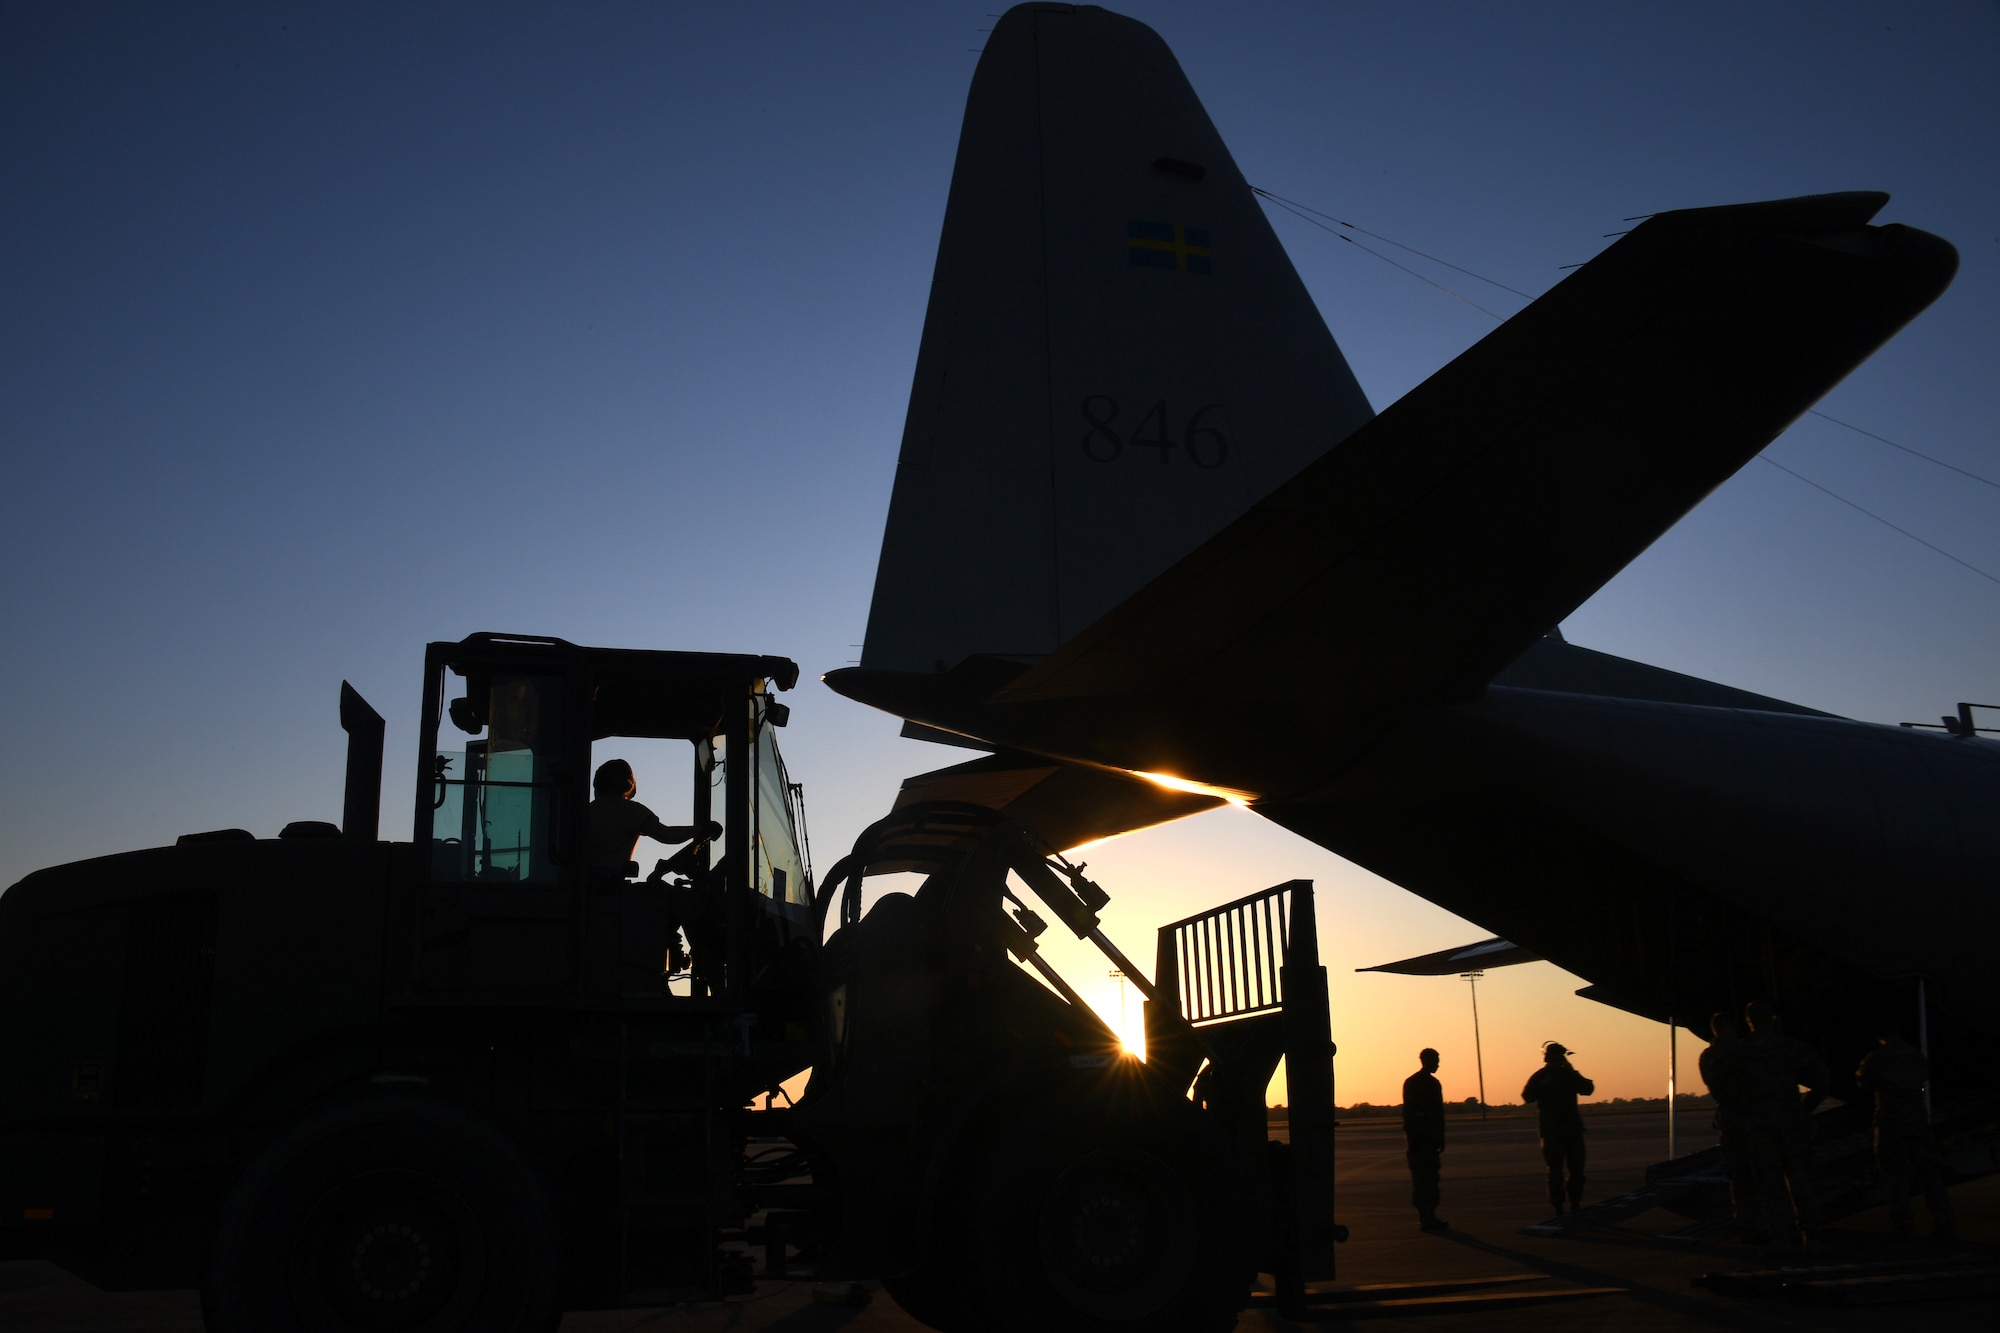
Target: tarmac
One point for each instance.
(1483, 1273)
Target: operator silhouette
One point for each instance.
(649, 934)
(617, 821)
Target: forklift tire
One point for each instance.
(386, 1214)
(1100, 1224)
(934, 1297)
(943, 1291)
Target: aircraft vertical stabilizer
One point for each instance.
(1118, 358)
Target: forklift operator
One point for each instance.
(617, 822)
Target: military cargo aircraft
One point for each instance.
(1150, 546)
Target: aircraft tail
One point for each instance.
(1139, 483)
(1118, 358)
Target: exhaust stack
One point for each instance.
(362, 809)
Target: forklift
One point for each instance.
(465, 1082)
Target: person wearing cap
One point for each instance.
(1554, 1089)
(1423, 1135)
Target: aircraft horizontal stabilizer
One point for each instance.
(1478, 957)
(1067, 806)
(1652, 1013)
(1433, 545)
(1410, 563)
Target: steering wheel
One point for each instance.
(682, 861)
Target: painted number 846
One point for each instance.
(1204, 445)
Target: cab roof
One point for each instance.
(634, 691)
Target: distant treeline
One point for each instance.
(1685, 1101)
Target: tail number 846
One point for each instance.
(1203, 444)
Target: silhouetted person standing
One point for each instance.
(1896, 1072)
(1554, 1089)
(1769, 1068)
(1718, 1074)
(1423, 1134)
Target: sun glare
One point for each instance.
(1240, 799)
(1124, 1012)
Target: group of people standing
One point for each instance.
(1766, 1085)
(1553, 1089)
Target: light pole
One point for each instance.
(1119, 977)
(1478, 1055)
(1673, 1079)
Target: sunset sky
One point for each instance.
(327, 331)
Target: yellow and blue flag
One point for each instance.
(1168, 245)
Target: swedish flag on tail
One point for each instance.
(1168, 245)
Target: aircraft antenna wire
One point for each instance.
(1456, 296)
(1986, 481)
(1314, 216)
(1879, 519)
(1298, 207)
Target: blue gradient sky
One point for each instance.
(328, 331)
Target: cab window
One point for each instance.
(493, 804)
(782, 871)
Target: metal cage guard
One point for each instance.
(1242, 984)
(1229, 961)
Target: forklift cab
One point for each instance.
(508, 905)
